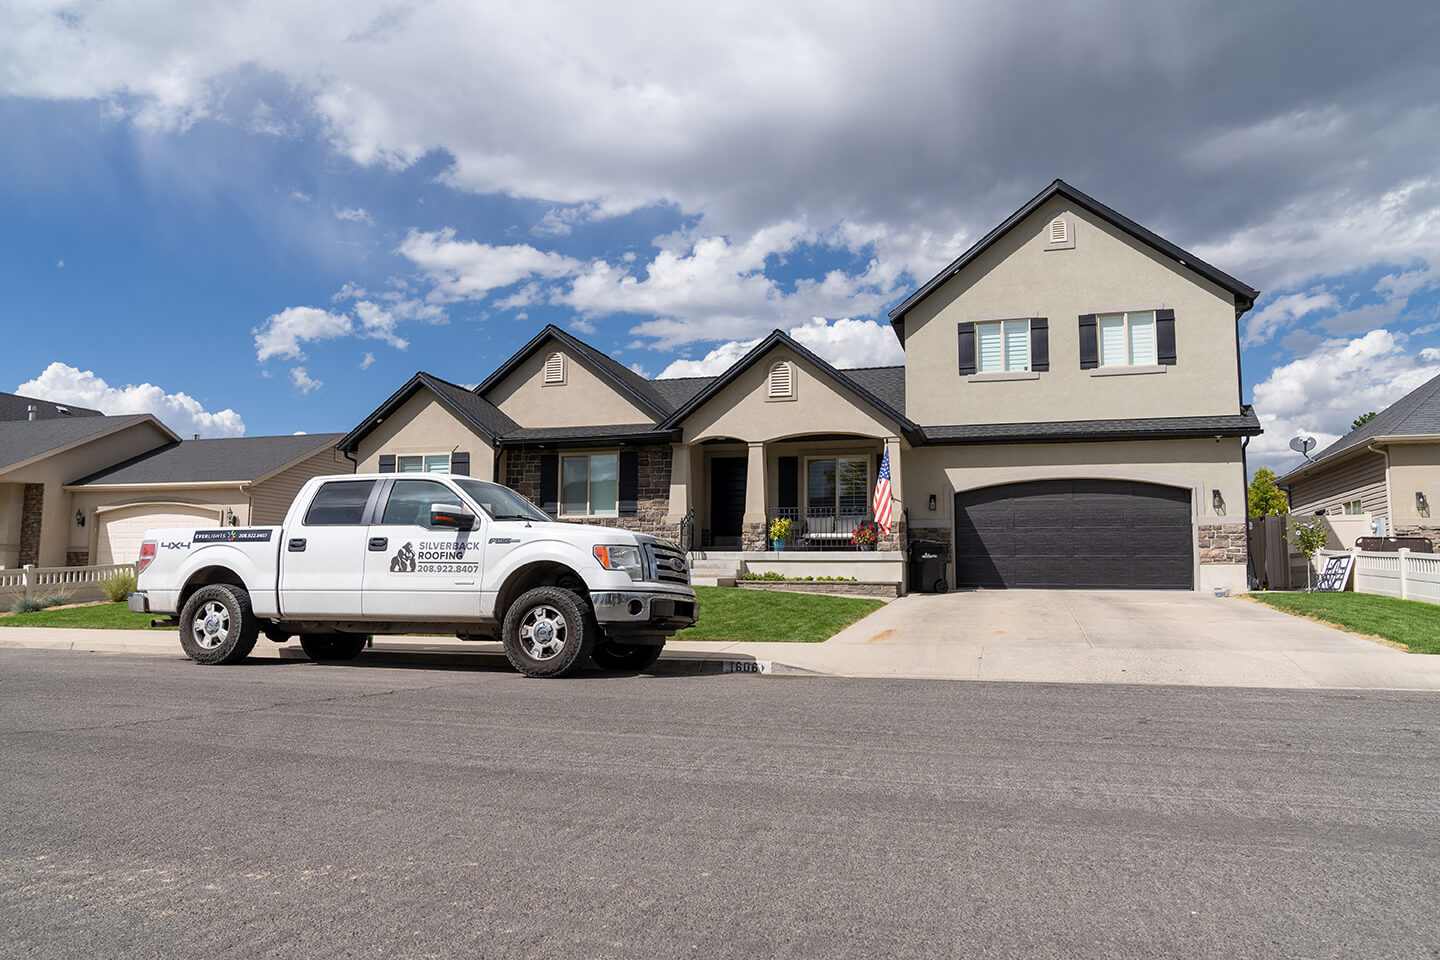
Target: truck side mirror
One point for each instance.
(446, 515)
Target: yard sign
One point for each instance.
(1337, 573)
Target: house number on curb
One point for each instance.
(747, 666)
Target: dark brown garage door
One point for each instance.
(1074, 533)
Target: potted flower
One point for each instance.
(780, 529)
(865, 536)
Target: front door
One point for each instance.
(727, 500)
(414, 571)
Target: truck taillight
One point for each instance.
(147, 554)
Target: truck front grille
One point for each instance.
(667, 564)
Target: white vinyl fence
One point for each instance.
(78, 583)
(1409, 576)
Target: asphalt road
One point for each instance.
(150, 807)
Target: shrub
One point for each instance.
(1309, 537)
(59, 598)
(119, 585)
(28, 604)
(866, 533)
(771, 575)
(780, 528)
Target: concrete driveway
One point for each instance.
(1105, 637)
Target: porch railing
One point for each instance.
(820, 528)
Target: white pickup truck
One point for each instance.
(364, 554)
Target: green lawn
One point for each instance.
(1413, 625)
(729, 613)
(102, 616)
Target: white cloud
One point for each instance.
(844, 343)
(354, 215)
(303, 381)
(467, 270)
(282, 333)
(1319, 395)
(582, 326)
(715, 362)
(379, 324)
(365, 361)
(60, 264)
(178, 411)
(1282, 312)
(300, 195)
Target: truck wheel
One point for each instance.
(217, 626)
(333, 646)
(634, 657)
(549, 632)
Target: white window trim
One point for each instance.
(1001, 377)
(1118, 371)
(1004, 374)
(423, 457)
(560, 484)
(545, 379)
(1358, 504)
(1129, 364)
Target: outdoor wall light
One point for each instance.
(1422, 506)
(229, 517)
(1217, 501)
(932, 500)
(79, 519)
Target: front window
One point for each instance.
(426, 463)
(590, 485)
(839, 487)
(1002, 346)
(1127, 339)
(502, 503)
(410, 500)
(1354, 507)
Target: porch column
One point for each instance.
(897, 538)
(753, 534)
(679, 483)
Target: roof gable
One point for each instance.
(479, 414)
(1244, 295)
(625, 381)
(23, 441)
(216, 460)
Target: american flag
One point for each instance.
(882, 496)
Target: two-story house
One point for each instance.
(1068, 414)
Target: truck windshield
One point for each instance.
(502, 503)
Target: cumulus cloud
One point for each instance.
(178, 411)
(1320, 394)
(303, 381)
(365, 361)
(282, 334)
(1281, 312)
(467, 270)
(844, 343)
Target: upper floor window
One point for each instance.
(1127, 339)
(1354, 507)
(782, 381)
(423, 463)
(1002, 346)
(590, 485)
(555, 368)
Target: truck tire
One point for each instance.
(549, 632)
(333, 646)
(630, 657)
(216, 625)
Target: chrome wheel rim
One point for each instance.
(212, 625)
(543, 632)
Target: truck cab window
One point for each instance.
(410, 501)
(340, 503)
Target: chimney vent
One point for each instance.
(30, 411)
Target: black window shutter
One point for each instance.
(1165, 337)
(629, 483)
(789, 482)
(387, 463)
(967, 348)
(550, 483)
(1089, 342)
(460, 463)
(1039, 344)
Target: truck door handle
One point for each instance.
(379, 543)
(297, 545)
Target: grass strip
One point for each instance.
(1409, 623)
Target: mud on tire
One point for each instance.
(217, 625)
(549, 632)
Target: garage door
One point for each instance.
(122, 530)
(1074, 533)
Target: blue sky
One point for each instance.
(265, 218)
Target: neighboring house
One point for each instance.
(78, 487)
(1069, 414)
(1389, 467)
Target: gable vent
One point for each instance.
(555, 368)
(1059, 230)
(782, 379)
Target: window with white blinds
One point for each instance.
(1127, 339)
(1002, 346)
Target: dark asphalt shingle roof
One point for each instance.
(21, 439)
(1245, 424)
(219, 460)
(13, 406)
(481, 411)
(886, 383)
(1416, 413)
(676, 392)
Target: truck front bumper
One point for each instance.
(643, 611)
(139, 602)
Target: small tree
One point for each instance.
(1308, 536)
(1361, 420)
(1263, 497)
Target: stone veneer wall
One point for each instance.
(31, 510)
(862, 588)
(1429, 533)
(1222, 542)
(77, 558)
(522, 474)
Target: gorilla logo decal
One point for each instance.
(404, 560)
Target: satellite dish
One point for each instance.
(1303, 446)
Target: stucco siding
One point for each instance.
(1329, 488)
(1106, 271)
(1415, 467)
(270, 499)
(424, 425)
(582, 400)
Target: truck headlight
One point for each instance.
(621, 558)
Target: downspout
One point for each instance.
(1389, 502)
(248, 489)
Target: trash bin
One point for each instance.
(927, 566)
